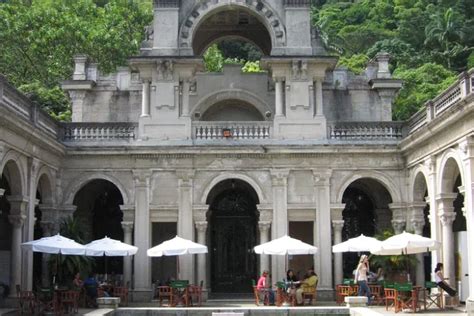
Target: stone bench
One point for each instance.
(108, 302)
(356, 301)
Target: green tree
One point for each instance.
(420, 84)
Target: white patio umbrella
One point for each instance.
(109, 248)
(285, 246)
(56, 244)
(176, 246)
(405, 244)
(357, 244)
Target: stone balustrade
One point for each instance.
(73, 132)
(232, 130)
(462, 88)
(365, 130)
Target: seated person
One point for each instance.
(307, 285)
(291, 282)
(77, 283)
(440, 280)
(262, 284)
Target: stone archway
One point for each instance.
(98, 213)
(239, 19)
(232, 234)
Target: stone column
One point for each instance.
(280, 214)
(435, 228)
(47, 232)
(319, 96)
(142, 276)
(467, 153)
(447, 216)
(418, 222)
(201, 228)
(322, 227)
(337, 226)
(264, 227)
(185, 219)
(278, 96)
(15, 277)
(127, 261)
(145, 98)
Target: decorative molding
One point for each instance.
(264, 226)
(127, 227)
(165, 69)
(447, 218)
(201, 226)
(299, 70)
(337, 225)
(279, 176)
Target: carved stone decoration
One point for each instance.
(201, 226)
(127, 227)
(299, 70)
(165, 70)
(264, 226)
(447, 218)
(398, 225)
(16, 220)
(266, 216)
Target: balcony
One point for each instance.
(231, 130)
(93, 132)
(365, 131)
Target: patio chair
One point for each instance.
(341, 292)
(406, 297)
(26, 303)
(195, 294)
(165, 293)
(433, 295)
(260, 294)
(310, 295)
(376, 291)
(390, 296)
(68, 300)
(122, 293)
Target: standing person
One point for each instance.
(361, 273)
(440, 280)
(262, 285)
(77, 283)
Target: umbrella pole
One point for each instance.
(177, 268)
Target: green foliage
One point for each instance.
(52, 100)
(214, 60)
(355, 63)
(39, 39)
(470, 61)
(420, 84)
(67, 266)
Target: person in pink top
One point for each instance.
(262, 285)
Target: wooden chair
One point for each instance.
(122, 292)
(391, 296)
(165, 293)
(433, 296)
(195, 293)
(260, 294)
(309, 294)
(69, 300)
(407, 297)
(376, 291)
(26, 303)
(341, 292)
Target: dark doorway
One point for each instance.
(233, 234)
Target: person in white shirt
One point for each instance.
(361, 274)
(440, 280)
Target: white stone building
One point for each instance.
(235, 159)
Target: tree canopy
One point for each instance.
(429, 41)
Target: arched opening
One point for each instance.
(233, 219)
(98, 213)
(366, 212)
(232, 110)
(237, 22)
(10, 185)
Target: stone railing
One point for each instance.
(365, 130)
(459, 90)
(231, 130)
(78, 132)
(24, 108)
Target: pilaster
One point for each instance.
(337, 226)
(418, 223)
(264, 228)
(201, 228)
(185, 219)
(280, 214)
(142, 280)
(447, 215)
(322, 227)
(127, 227)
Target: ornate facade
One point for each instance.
(235, 159)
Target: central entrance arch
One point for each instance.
(233, 220)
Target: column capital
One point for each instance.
(338, 224)
(418, 224)
(279, 176)
(321, 177)
(127, 226)
(141, 177)
(445, 202)
(278, 78)
(128, 211)
(199, 212)
(18, 203)
(201, 226)
(398, 225)
(264, 226)
(336, 210)
(16, 220)
(430, 164)
(447, 218)
(185, 177)
(265, 215)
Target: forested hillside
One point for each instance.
(430, 42)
